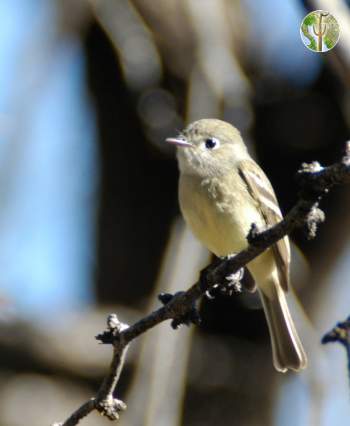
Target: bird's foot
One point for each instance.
(231, 286)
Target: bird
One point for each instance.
(222, 192)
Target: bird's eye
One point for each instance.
(211, 143)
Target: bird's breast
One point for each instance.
(219, 211)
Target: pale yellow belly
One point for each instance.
(220, 219)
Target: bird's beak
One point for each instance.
(179, 142)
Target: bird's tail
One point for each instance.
(287, 350)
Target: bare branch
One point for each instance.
(104, 402)
(340, 333)
(79, 414)
(314, 181)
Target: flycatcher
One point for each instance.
(222, 192)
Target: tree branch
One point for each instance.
(314, 181)
(340, 333)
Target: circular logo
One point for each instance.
(319, 31)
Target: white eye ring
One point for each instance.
(212, 143)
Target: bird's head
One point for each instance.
(208, 147)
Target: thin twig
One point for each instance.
(79, 414)
(314, 180)
(340, 334)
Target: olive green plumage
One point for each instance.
(222, 191)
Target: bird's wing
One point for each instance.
(260, 189)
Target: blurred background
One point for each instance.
(89, 217)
